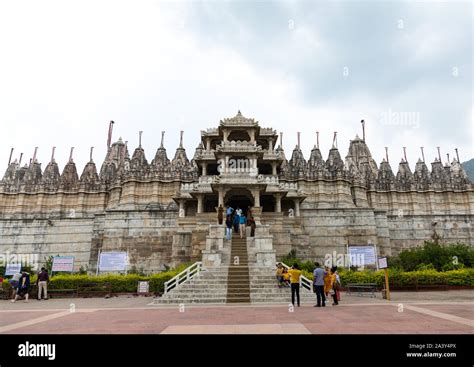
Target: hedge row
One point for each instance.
(119, 283)
(463, 277)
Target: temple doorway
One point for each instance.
(239, 198)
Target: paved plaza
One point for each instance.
(408, 312)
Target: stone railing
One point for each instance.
(189, 187)
(268, 179)
(238, 146)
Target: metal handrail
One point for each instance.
(304, 282)
(186, 275)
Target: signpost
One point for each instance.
(62, 263)
(12, 269)
(143, 287)
(382, 261)
(365, 254)
(112, 261)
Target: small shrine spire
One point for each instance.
(422, 154)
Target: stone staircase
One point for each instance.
(238, 282)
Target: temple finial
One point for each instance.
(422, 154)
(298, 134)
(21, 157)
(281, 139)
(162, 139)
(140, 139)
(457, 155)
(447, 154)
(363, 129)
(386, 154)
(405, 153)
(317, 139)
(52, 154)
(334, 140)
(181, 138)
(90, 155)
(439, 154)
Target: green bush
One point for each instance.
(440, 257)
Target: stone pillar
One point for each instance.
(297, 207)
(256, 197)
(225, 135)
(200, 205)
(221, 198)
(252, 136)
(208, 144)
(204, 169)
(270, 145)
(277, 203)
(274, 168)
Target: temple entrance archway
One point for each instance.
(239, 198)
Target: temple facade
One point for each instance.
(164, 212)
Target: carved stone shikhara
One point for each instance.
(314, 206)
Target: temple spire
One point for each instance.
(422, 154)
(90, 154)
(447, 155)
(281, 139)
(52, 154)
(140, 139)
(334, 140)
(181, 139)
(21, 157)
(298, 134)
(405, 153)
(162, 138)
(457, 154)
(363, 129)
(317, 139)
(386, 154)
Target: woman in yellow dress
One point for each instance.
(327, 281)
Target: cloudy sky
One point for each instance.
(69, 67)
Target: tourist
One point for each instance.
(243, 221)
(42, 283)
(23, 287)
(286, 277)
(318, 285)
(327, 281)
(220, 214)
(295, 275)
(14, 281)
(279, 275)
(238, 211)
(228, 228)
(251, 223)
(229, 210)
(236, 222)
(335, 285)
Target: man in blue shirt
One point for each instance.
(318, 285)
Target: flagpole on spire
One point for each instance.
(457, 155)
(109, 137)
(10, 159)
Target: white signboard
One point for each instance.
(12, 269)
(113, 261)
(362, 255)
(63, 263)
(383, 263)
(143, 287)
